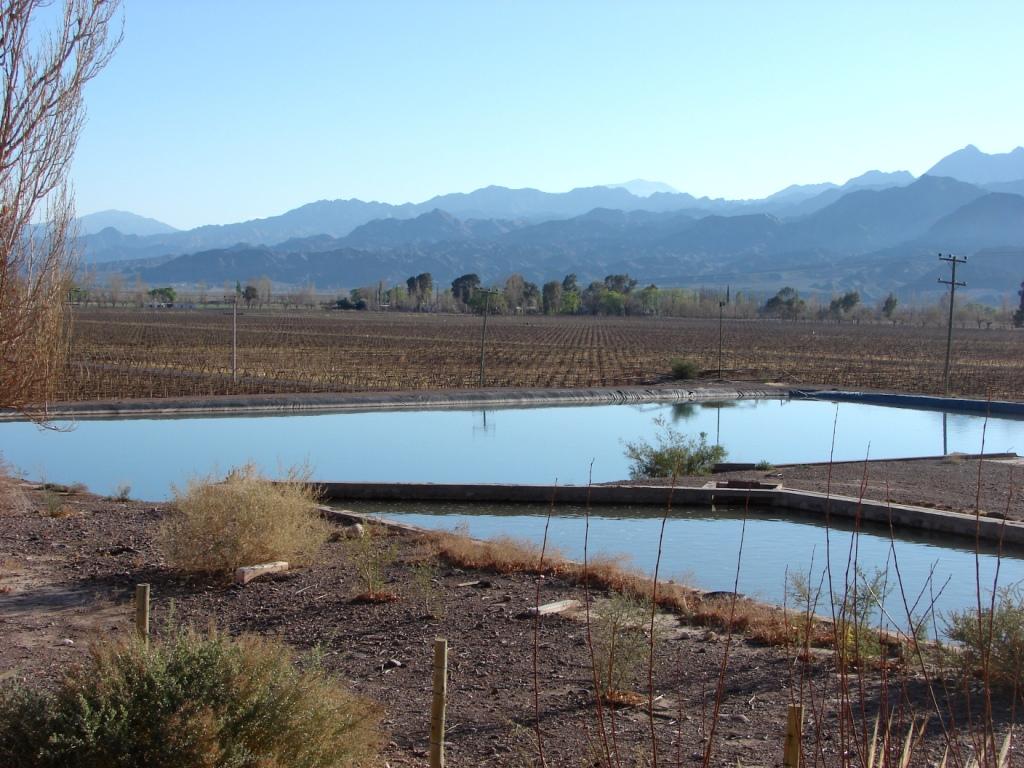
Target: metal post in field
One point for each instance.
(234, 340)
(142, 612)
(952, 283)
(437, 709)
(483, 331)
(721, 308)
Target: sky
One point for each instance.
(214, 112)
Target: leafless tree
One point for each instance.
(44, 71)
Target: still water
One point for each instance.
(702, 548)
(514, 445)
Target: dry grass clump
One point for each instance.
(12, 498)
(760, 622)
(197, 700)
(216, 527)
(503, 554)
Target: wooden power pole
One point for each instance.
(952, 283)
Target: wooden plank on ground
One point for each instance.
(547, 609)
(247, 573)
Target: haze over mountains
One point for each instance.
(876, 233)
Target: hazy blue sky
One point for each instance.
(221, 111)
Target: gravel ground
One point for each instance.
(996, 487)
(68, 563)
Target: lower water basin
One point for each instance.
(701, 547)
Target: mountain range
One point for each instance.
(878, 232)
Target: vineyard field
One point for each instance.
(131, 353)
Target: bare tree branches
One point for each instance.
(44, 72)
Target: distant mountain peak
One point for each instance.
(644, 188)
(972, 165)
(875, 178)
(125, 222)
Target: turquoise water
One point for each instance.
(702, 548)
(517, 445)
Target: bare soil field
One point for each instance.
(69, 566)
(953, 483)
(132, 353)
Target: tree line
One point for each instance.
(615, 295)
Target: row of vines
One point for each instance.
(165, 353)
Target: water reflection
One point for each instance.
(507, 445)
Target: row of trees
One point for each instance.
(616, 295)
(788, 305)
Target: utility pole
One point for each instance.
(721, 308)
(952, 283)
(483, 331)
(234, 340)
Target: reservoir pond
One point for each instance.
(510, 445)
(564, 445)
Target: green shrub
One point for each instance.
(198, 701)
(216, 527)
(683, 368)
(996, 641)
(764, 465)
(620, 642)
(674, 454)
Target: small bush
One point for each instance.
(620, 642)
(684, 369)
(371, 555)
(245, 520)
(994, 640)
(764, 465)
(674, 454)
(502, 554)
(123, 492)
(198, 700)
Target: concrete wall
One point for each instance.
(901, 516)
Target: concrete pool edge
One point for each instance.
(973, 406)
(329, 402)
(986, 529)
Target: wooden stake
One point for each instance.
(142, 611)
(437, 710)
(794, 736)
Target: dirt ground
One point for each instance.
(955, 483)
(69, 562)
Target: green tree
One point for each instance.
(165, 295)
(531, 296)
(786, 304)
(619, 283)
(420, 288)
(612, 303)
(552, 297)
(889, 306)
(463, 287)
(513, 290)
(571, 303)
(250, 294)
(1018, 316)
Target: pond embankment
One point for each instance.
(338, 402)
(986, 529)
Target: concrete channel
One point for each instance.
(984, 529)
